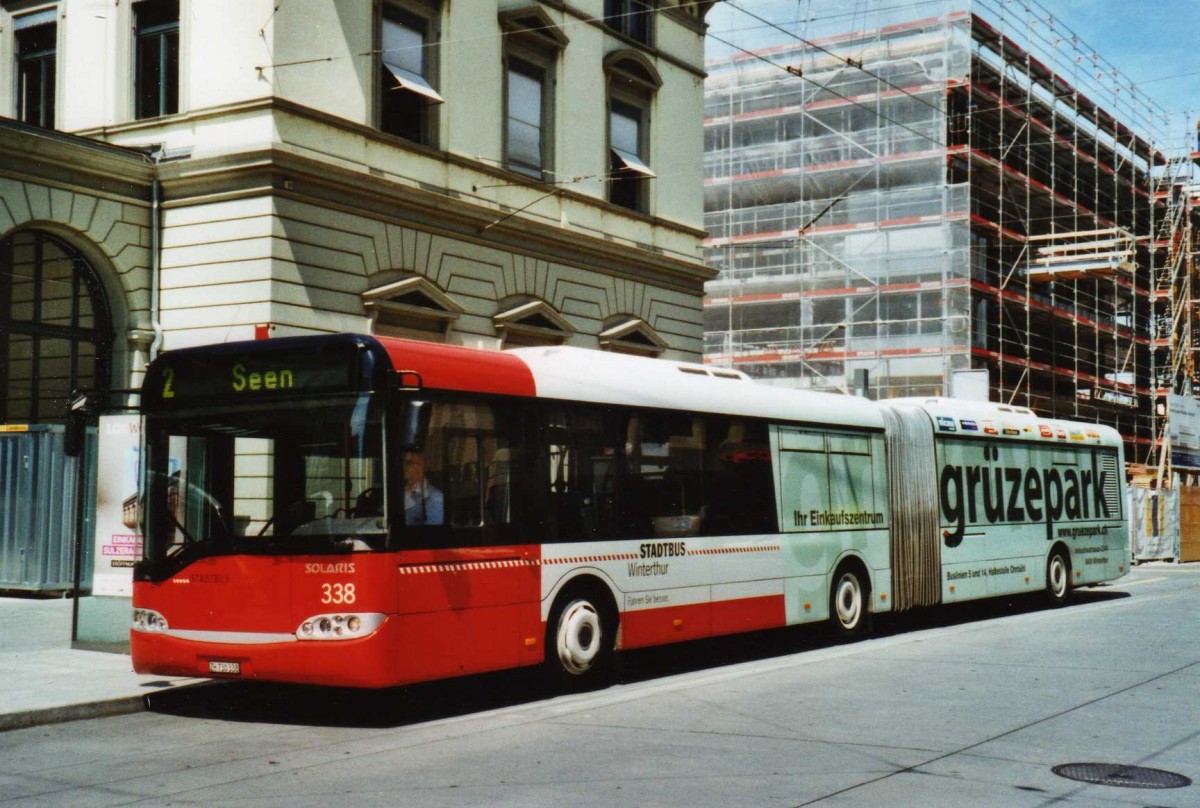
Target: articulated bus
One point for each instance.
(369, 512)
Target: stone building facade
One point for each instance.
(179, 172)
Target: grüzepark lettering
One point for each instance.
(997, 494)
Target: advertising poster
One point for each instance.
(118, 542)
(1184, 431)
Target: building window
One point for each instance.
(627, 167)
(632, 83)
(36, 38)
(156, 33)
(531, 46)
(525, 134)
(56, 332)
(407, 74)
(631, 18)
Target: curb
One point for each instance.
(73, 712)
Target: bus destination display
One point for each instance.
(243, 378)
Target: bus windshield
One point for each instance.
(293, 476)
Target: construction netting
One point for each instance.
(899, 191)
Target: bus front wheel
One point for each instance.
(1058, 578)
(848, 602)
(579, 642)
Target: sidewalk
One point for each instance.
(46, 681)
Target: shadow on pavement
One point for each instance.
(310, 705)
(261, 702)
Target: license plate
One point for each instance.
(224, 667)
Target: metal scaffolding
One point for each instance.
(1171, 298)
(900, 191)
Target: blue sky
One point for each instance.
(1156, 43)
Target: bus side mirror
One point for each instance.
(414, 424)
(79, 413)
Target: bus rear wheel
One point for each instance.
(848, 601)
(1058, 578)
(579, 642)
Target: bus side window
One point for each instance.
(661, 494)
(851, 480)
(738, 482)
(476, 454)
(579, 459)
(804, 475)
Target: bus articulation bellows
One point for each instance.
(365, 511)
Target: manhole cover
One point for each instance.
(1116, 774)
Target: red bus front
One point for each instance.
(271, 545)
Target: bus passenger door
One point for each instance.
(469, 590)
(809, 553)
(834, 501)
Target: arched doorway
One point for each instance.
(56, 332)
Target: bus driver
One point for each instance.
(422, 501)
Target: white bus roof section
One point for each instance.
(581, 374)
(983, 419)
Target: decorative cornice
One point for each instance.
(279, 171)
(634, 335)
(282, 172)
(683, 18)
(534, 24)
(71, 162)
(675, 14)
(273, 105)
(534, 309)
(393, 293)
(633, 66)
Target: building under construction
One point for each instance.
(944, 197)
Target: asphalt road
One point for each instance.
(945, 707)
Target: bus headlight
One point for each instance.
(149, 621)
(339, 626)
